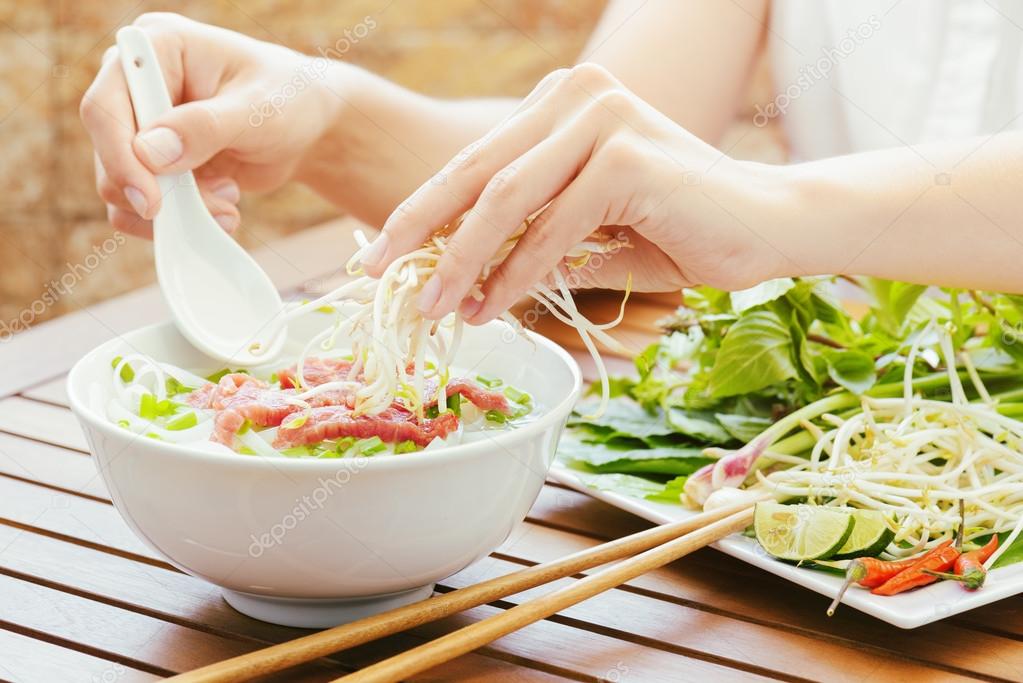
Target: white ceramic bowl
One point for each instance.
(315, 543)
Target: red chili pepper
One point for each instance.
(969, 568)
(941, 558)
(869, 572)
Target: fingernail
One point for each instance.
(228, 190)
(470, 307)
(227, 221)
(375, 251)
(162, 146)
(429, 295)
(136, 199)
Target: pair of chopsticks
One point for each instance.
(647, 550)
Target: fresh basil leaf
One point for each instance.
(703, 427)
(671, 493)
(758, 295)
(623, 415)
(755, 353)
(892, 301)
(623, 484)
(1013, 554)
(853, 370)
(744, 428)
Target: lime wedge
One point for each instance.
(870, 535)
(801, 532)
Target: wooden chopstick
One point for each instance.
(323, 643)
(469, 638)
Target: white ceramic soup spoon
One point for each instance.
(221, 300)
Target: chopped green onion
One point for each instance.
(517, 396)
(325, 309)
(296, 422)
(245, 450)
(124, 423)
(219, 375)
(127, 374)
(166, 407)
(496, 416)
(297, 452)
(174, 387)
(370, 446)
(344, 444)
(405, 447)
(432, 412)
(148, 407)
(489, 382)
(521, 412)
(274, 378)
(246, 426)
(454, 402)
(185, 421)
(151, 435)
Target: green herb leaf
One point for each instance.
(702, 427)
(758, 295)
(756, 352)
(853, 370)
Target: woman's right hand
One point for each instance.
(245, 115)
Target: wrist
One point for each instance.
(336, 92)
(801, 212)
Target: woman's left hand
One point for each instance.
(603, 160)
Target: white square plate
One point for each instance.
(906, 610)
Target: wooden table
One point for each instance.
(82, 599)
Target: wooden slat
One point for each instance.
(27, 659)
(54, 346)
(79, 519)
(54, 391)
(167, 595)
(72, 471)
(664, 624)
(41, 421)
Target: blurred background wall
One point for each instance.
(51, 220)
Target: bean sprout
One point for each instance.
(400, 354)
(916, 458)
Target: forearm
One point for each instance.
(386, 140)
(946, 213)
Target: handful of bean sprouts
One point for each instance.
(914, 459)
(399, 354)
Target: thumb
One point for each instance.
(192, 133)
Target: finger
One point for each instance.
(109, 119)
(515, 193)
(570, 218)
(130, 222)
(191, 134)
(455, 188)
(223, 211)
(218, 200)
(221, 187)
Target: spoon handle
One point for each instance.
(150, 99)
(148, 90)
